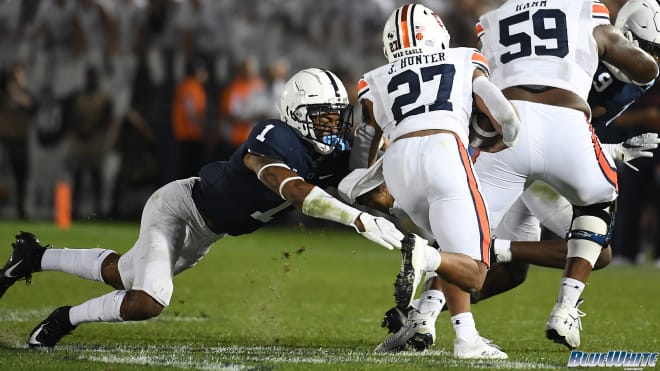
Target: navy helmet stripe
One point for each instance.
(334, 83)
(412, 26)
(398, 35)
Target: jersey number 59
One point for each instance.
(547, 24)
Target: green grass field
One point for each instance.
(296, 299)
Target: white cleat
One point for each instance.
(564, 323)
(480, 349)
(411, 272)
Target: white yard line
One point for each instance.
(245, 357)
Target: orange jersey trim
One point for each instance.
(479, 58)
(362, 84)
(479, 29)
(599, 10)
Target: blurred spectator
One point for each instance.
(154, 81)
(235, 117)
(156, 40)
(13, 14)
(48, 151)
(198, 23)
(16, 109)
(264, 104)
(90, 122)
(128, 18)
(58, 42)
(138, 172)
(189, 118)
(98, 41)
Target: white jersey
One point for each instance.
(547, 43)
(425, 91)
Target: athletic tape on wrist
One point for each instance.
(321, 204)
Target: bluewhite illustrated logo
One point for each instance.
(613, 358)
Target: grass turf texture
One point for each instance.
(296, 299)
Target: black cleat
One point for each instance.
(51, 330)
(24, 260)
(394, 319)
(420, 341)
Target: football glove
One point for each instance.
(632, 148)
(380, 231)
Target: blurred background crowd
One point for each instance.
(101, 94)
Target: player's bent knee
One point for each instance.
(476, 280)
(591, 231)
(604, 258)
(110, 271)
(139, 306)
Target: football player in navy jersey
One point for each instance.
(284, 164)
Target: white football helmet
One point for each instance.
(640, 20)
(310, 94)
(413, 29)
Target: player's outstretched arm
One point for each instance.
(627, 61)
(315, 202)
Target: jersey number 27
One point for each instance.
(411, 79)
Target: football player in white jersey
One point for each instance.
(421, 101)
(539, 204)
(564, 39)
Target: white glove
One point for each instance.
(632, 148)
(380, 231)
(510, 131)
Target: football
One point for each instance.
(482, 131)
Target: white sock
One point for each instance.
(502, 250)
(432, 258)
(431, 301)
(571, 289)
(105, 308)
(465, 327)
(84, 263)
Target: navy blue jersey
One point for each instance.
(612, 94)
(236, 202)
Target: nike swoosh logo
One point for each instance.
(33, 338)
(321, 177)
(11, 269)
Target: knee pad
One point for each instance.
(591, 230)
